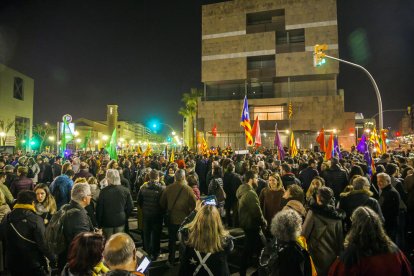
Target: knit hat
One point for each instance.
(297, 206)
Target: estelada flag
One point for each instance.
(321, 139)
(293, 148)
(245, 122)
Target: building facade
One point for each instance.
(16, 106)
(264, 49)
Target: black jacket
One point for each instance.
(231, 182)
(149, 199)
(390, 205)
(76, 222)
(306, 176)
(20, 253)
(354, 199)
(289, 179)
(336, 179)
(114, 206)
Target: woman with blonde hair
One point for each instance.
(45, 203)
(316, 183)
(81, 180)
(271, 198)
(207, 245)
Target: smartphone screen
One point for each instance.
(143, 265)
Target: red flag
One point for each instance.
(256, 132)
(329, 148)
(321, 139)
(214, 130)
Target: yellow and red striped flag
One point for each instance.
(293, 148)
(245, 123)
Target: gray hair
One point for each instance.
(286, 225)
(80, 191)
(119, 249)
(360, 182)
(384, 177)
(112, 176)
(179, 175)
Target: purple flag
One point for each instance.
(337, 150)
(362, 145)
(278, 144)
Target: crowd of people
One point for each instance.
(299, 216)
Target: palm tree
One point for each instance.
(4, 129)
(189, 111)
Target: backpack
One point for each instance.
(54, 236)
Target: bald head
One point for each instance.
(119, 250)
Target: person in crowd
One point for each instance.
(359, 196)
(192, 181)
(93, 182)
(261, 183)
(231, 182)
(178, 200)
(4, 207)
(114, 205)
(80, 180)
(85, 256)
(293, 192)
(149, 200)
(10, 175)
(336, 177)
(288, 177)
(61, 188)
(45, 203)
(307, 175)
(66, 167)
(251, 220)
(22, 182)
(215, 187)
(271, 199)
(368, 249)
(24, 231)
(76, 219)
(390, 204)
(83, 171)
(5, 190)
(34, 167)
(207, 245)
(169, 176)
(190, 169)
(121, 256)
(315, 184)
(201, 170)
(284, 255)
(323, 230)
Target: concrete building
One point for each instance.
(16, 105)
(129, 134)
(264, 49)
(406, 125)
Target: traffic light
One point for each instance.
(319, 55)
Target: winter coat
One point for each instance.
(149, 199)
(390, 206)
(7, 194)
(250, 215)
(61, 188)
(29, 251)
(231, 182)
(323, 231)
(4, 210)
(409, 188)
(216, 263)
(354, 199)
(20, 184)
(393, 263)
(306, 176)
(114, 206)
(289, 179)
(336, 179)
(184, 204)
(270, 203)
(82, 173)
(76, 221)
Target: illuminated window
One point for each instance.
(269, 113)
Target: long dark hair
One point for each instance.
(85, 252)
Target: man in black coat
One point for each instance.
(57, 167)
(149, 200)
(23, 232)
(306, 176)
(336, 178)
(231, 182)
(390, 204)
(288, 178)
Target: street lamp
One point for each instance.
(105, 138)
(2, 134)
(51, 138)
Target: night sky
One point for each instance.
(142, 55)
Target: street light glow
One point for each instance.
(51, 138)
(2, 134)
(105, 138)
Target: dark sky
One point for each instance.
(143, 54)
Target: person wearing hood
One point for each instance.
(288, 178)
(336, 177)
(359, 196)
(251, 219)
(322, 229)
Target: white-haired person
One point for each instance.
(369, 250)
(114, 205)
(284, 255)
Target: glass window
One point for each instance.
(269, 113)
(18, 89)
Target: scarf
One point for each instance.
(25, 206)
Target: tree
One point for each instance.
(189, 111)
(4, 129)
(43, 131)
